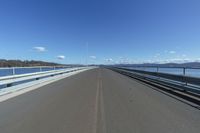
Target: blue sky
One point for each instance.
(116, 31)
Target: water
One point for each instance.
(9, 71)
(177, 71)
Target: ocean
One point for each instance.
(177, 71)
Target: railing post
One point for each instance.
(184, 73)
(13, 71)
(157, 69)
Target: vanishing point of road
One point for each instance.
(97, 101)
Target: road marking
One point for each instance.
(102, 108)
(96, 103)
(99, 125)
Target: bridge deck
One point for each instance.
(97, 101)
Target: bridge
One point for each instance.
(97, 100)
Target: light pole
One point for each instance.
(87, 54)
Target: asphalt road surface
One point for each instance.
(97, 101)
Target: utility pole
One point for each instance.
(87, 54)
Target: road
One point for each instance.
(97, 101)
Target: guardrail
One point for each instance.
(23, 70)
(8, 81)
(186, 71)
(181, 82)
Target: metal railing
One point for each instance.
(186, 71)
(6, 71)
(10, 80)
(181, 79)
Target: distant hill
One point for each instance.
(30, 63)
(26, 63)
(188, 64)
